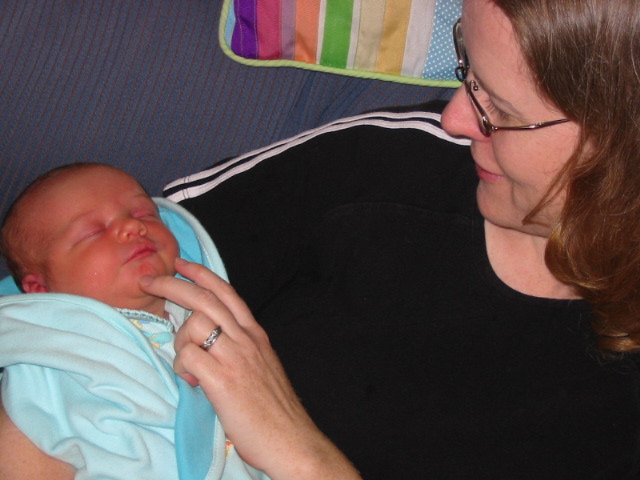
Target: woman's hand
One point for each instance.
(244, 380)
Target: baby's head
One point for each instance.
(88, 229)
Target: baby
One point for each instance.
(91, 230)
(88, 229)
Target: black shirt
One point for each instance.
(360, 249)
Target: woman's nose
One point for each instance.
(130, 228)
(459, 119)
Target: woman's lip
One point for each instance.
(486, 175)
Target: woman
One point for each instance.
(428, 339)
(425, 338)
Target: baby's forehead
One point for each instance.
(69, 191)
(87, 178)
(90, 174)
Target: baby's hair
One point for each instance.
(14, 234)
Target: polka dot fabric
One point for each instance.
(441, 60)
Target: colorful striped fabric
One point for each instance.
(401, 40)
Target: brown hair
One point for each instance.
(19, 243)
(585, 56)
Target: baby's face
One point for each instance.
(102, 233)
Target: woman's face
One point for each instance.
(515, 167)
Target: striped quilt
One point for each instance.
(402, 40)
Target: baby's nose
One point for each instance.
(130, 228)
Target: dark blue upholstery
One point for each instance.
(143, 84)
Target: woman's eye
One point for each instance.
(496, 115)
(495, 112)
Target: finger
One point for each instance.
(196, 329)
(211, 339)
(190, 379)
(207, 279)
(194, 298)
(189, 356)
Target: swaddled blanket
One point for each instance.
(86, 385)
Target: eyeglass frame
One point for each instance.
(486, 126)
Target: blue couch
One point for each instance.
(144, 85)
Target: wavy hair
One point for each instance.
(585, 56)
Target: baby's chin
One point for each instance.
(155, 269)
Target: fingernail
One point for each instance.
(146, 279)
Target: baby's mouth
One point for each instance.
(141, 251)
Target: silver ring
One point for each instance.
(211, 339)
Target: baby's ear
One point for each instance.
(34, 283)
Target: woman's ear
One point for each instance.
(34, 283)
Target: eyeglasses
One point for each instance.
(486, 127)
